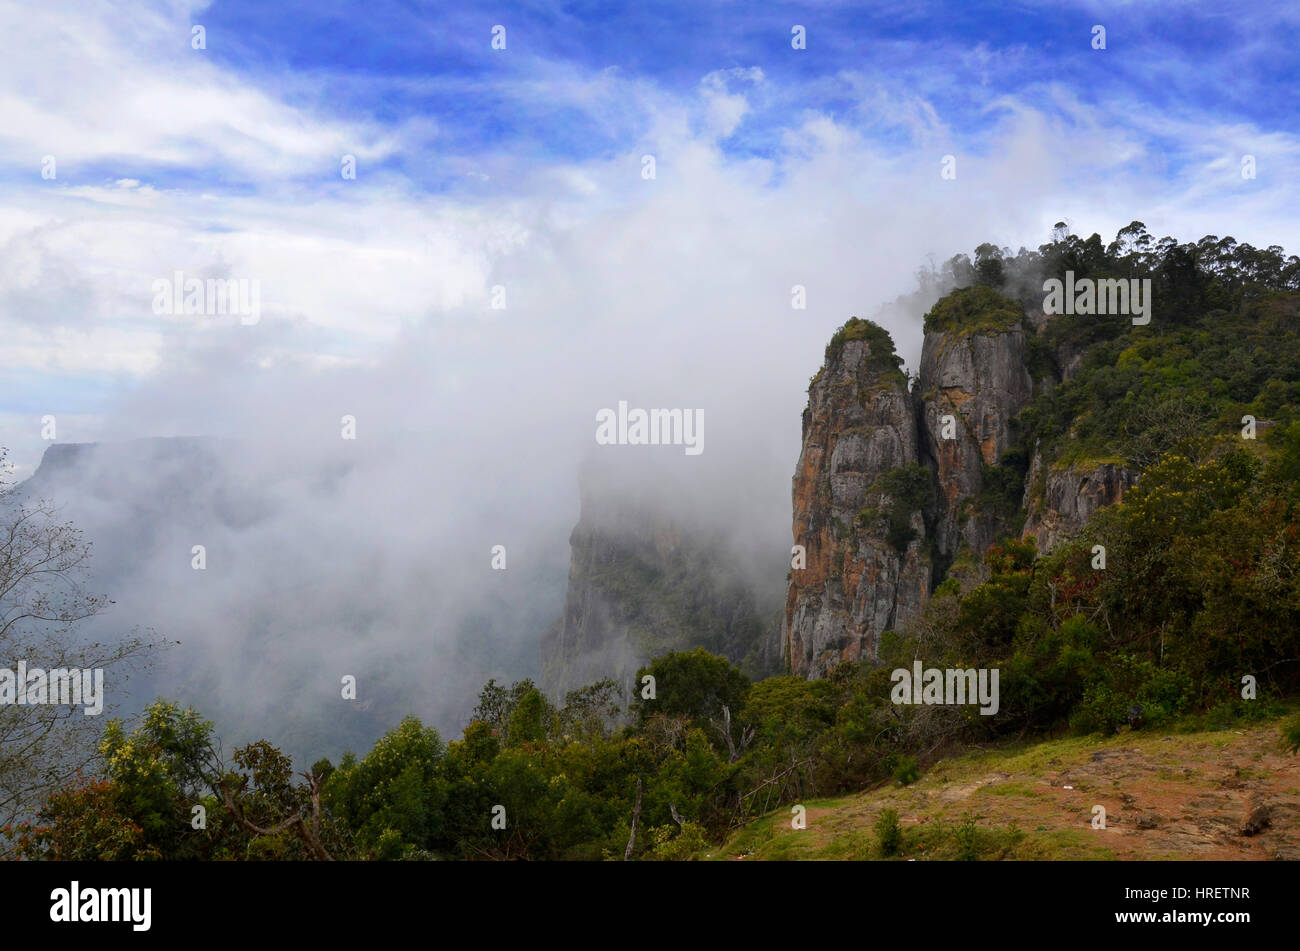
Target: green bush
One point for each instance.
(672, 845)
(1130, 691)
(881, 346)
(971, 310)
(889, 834)
(906, 772)
(911, 488)
(1225, 715)
(966, 837)
(1291, 735)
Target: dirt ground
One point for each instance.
(1185, 796)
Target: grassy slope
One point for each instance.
(1167, 796)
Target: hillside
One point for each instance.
(1166, 795)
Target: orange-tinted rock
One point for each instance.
(856, 584)
(978, 378)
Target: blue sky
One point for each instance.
(521, 168)
(388, 63)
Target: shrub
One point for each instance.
(889, 834)
(911, 487)
(1291, 735)
(966, 836)
(906, 773)
(881, 345)
(1224, 715)
(1130, 691)
(974, 310)
(685, 846)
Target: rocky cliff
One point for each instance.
(1060, 500)
(893, 483)
(973, 383)
(647, 577)
(860, 563)
(896, 480)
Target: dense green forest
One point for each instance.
(1200, 588)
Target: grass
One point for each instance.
(1012, 789)
(1023, 800)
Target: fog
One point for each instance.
(372, 556)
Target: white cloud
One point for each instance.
(724, 109)
(94, 82)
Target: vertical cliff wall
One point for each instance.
(1060, 500)
(864, 567)
(973, 383)
(647, 577)
(892, 482)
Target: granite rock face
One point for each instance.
(894, 482)
(972, 385)
(1060, 501)
(645, 579)
(855, 581)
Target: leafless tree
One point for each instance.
(636, 818)
(746, 734)
(43, 602)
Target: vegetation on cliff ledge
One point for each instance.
(910, 488)
(881, 355)
(972, 310)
